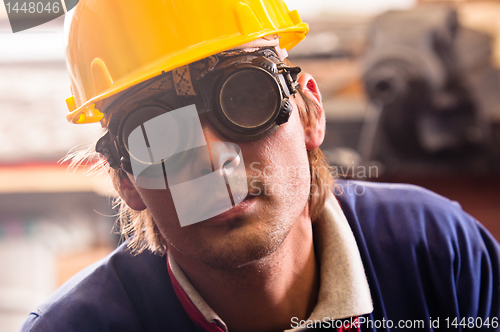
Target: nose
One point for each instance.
(224, 156)
(227, 162)
(211, 154)
(222, 186)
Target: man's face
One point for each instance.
(278, 181)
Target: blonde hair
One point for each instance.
(139, 226)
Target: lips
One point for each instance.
(237, 211)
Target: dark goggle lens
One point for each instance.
(250, 98)
(137, 141)
(156, 136)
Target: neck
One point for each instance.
(263, 295)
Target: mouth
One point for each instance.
(236, 212)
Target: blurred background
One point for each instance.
(410, 90)
(53, 221)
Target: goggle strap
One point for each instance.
(290, 74)
(106, 147)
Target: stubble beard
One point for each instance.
(247, 241)
(244, 249)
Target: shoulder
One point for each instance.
(389, 195)
(423, 247)
(412, 218)
(116, 293)
(405, 210)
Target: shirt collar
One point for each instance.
(194, 305)
(343, 291)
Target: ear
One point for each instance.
(129, 194)
(315, 128)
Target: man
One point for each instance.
(213, 145)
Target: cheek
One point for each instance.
(161, 206)
(290, 148)
(294, 165)
(283, 160)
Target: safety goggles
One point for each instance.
(244, 96)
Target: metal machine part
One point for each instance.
(420, 81)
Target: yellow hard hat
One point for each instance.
(115, 44)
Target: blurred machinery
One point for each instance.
(433, 92)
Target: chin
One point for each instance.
(242, 247)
